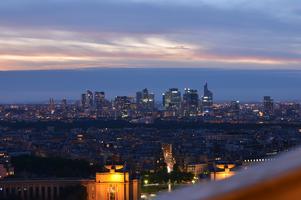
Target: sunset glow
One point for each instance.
(88, 35)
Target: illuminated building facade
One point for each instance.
(190, 102)
(172, 100)
(6, 168)
(123, 106)
(89, 99)
(145, 100)
(83, 100)
(112, 185)
(234, 110)
(196, 169)
(168, 157)
(223, 171)
(268, 107)
(99, 98)
(207, 100)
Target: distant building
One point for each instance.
(235, 110)
(89, 99)
(123, 106)
(145, 100)
(6, 168)
(268, 107)
(289, 111)
(190, 102)
(99, 99)
(64, 104)
(172, 99)
(83, 100)
(207, 100)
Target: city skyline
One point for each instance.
(64, 34)
(243, 85)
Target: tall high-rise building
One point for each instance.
(145, 100)
(172, 99)
(123, 106)
(99, 99)
(190, 102)
(235, 109)
(64, 104)
(207, 100)
(268, 106)
(83, 100)
(89, 100)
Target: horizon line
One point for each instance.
(151, 68)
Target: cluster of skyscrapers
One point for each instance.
(173, 103)
(190, 104)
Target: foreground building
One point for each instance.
(112, 185)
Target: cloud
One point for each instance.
(75, 34)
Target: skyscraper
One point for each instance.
(64, 104)
(83, 100)
(190, 102)
(89, 100)
(268, 107)
(123, 106)
(99, 99)
(172, 99)
(235, 110)
(207, 100)
(145, 100)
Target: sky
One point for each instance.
(226, 84)
(59, 48)
(77, 34)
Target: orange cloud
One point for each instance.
(67, 50)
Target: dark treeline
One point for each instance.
(27, 166)
(76, 192)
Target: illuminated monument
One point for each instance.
(223, 173)
(111, 185)
(168, 158)
(114, 185)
